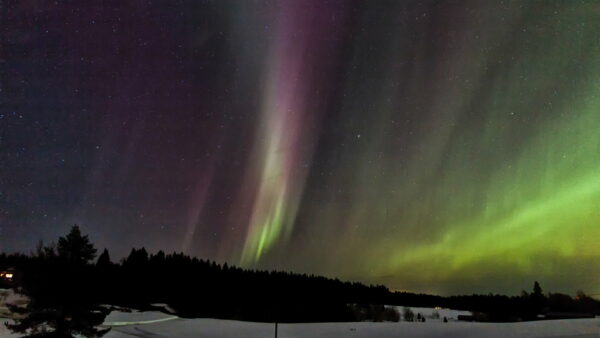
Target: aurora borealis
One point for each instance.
(432, 146)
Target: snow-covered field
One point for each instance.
(157, 324)
(179, 327)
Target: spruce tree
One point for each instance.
(75, 248)
(104, 260)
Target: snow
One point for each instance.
(8, 296)
(117, 318)
(157, 324)
(180, 327)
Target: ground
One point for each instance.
(178, 327)
(154, 324)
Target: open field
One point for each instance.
(157, 324)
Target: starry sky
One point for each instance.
(432, 146)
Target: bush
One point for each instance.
(391, 314)
(408, 314)
(375, 313)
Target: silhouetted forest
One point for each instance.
(69, 276)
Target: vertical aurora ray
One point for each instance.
(197, 206)
(284, 142)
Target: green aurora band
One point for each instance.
(467, 161)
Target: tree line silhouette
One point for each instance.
(67, 288)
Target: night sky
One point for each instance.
(433, 146)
